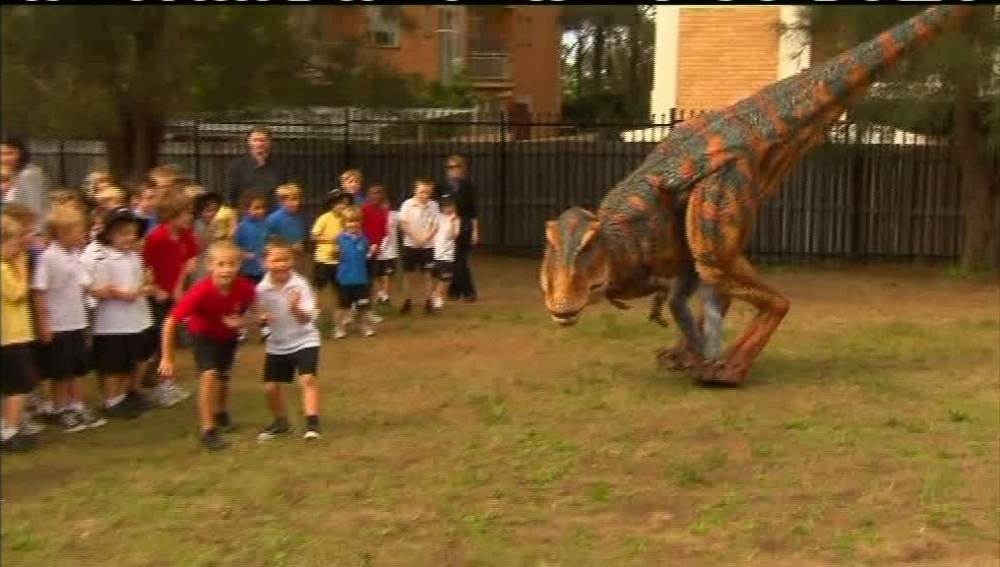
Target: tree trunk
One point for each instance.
(634, 53)
(133, 149)
(579, 64)
(597, 62)
(980, 202)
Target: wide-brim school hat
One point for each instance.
(119, 216)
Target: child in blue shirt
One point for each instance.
(251, 237)
(352, 273)
(289, 224)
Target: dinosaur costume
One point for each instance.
(687, 211)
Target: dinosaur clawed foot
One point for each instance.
(677, 358)
(658, 319)
(718, 374)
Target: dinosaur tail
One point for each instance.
(847, 76)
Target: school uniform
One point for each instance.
(292, 346)
(421, 219)
(61, 275)
(388, 250)
(444, 248)
(121, 328)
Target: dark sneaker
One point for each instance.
(278, 427)
(121, 410)
(136, 402)
(223, 422)
(212, 441)
(406, 308)
(71, 421)
(429, 307)
(19, 443)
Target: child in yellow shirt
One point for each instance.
(16, 334)
(325, 231)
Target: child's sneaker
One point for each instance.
(31, 427)
(311, 434)
(20, 442)
(368, 331)
(212, 441)
(428, 307)
(223, 423)
(339, 333)
(89, 419)
(137, 402)
(121, 410)
(406, 308)
(168, 393)
(277, 427)
(71, 421)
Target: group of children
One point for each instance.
(113, 299)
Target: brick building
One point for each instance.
(511, 53)
(709, 57)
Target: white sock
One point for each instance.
(76, 406)
(8, 432)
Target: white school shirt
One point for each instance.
(88, 259)
(117, 316)
(60, 274)
(420, 219)
(389, 248)
(288, 334)
(444, 239)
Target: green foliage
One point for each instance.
(607, 67)
(918, 95)
(109, 62)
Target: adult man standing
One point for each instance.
(257, 171)
(461, 190)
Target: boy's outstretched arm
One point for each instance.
(167, 347)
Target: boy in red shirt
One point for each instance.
(171, 252)
(374, 221)
(215, 309)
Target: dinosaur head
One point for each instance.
(576, 269)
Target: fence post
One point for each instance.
(347, 139)
(62, 163)
(196, 150)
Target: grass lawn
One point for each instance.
(867, 434)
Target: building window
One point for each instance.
(384, 26)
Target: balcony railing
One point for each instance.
(487, 45)
(488, 67)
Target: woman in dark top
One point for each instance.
(458, 186)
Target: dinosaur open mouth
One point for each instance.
(566, 320)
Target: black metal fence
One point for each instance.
(862, 195)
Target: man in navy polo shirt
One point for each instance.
(257, 171)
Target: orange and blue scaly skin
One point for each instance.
(688, 210)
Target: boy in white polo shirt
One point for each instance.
(288, 307)
(122, 318)
(60, 317)
(418, 218)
